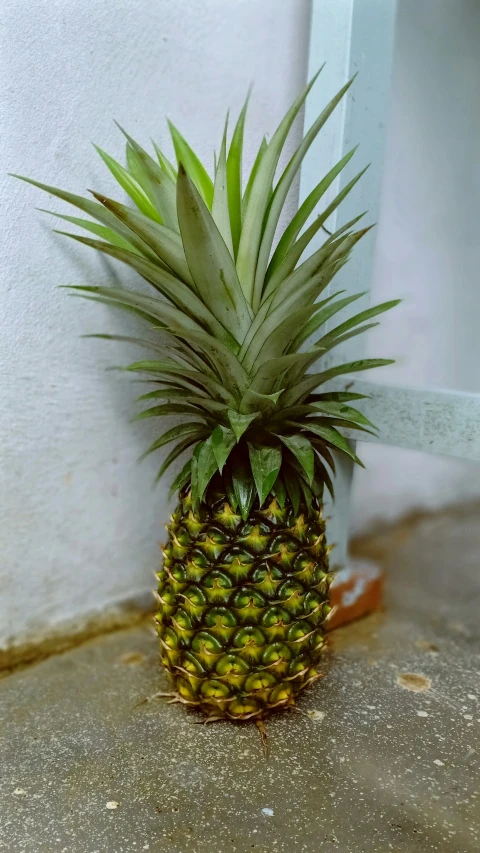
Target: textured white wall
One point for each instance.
(79, 522)
(428, 247)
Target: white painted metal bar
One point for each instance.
(437, 421)
(350, 36)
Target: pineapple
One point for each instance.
(244, 587)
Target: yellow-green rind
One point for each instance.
(242, 605)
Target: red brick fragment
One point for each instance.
(355, 591)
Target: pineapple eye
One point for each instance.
(168, 597)
(255, 536)
(162, 619)
(170, 638)
(322, 584)
(243, 707)
(238, 564)
(204, 642)
(199, 559)
(182, 536)
(317, 640)
(276, 652)
(275, 616)
(246, 596)
(213, 541)
(215, 535)
(186, 501)
(281, 694)
(217, 579)
(179, 544)
(289, 589)
(183, 620)
(248, 635)
(315, 531)
(218, 536)
(299, 664)
(192, 523)
(178, 573)
(303, 563)
(300, 528)
(256, 529)
(237, 555)
(274, 512)
(186, 690)
(259, 681)
(283, 543)
(265, 571)
(231, 665)
(298, 631)
(215, 689)
(192, 665)
(227, 517)
(312, 601)
(220, 617)
(195, 596)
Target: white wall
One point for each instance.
(79, 522)
(428, 247)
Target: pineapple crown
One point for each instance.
(234, 316)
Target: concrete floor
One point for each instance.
(384, 757)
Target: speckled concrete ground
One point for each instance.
(384, 757)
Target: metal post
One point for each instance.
(350, 36)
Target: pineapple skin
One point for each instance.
(241, 605)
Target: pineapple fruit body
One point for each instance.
(242, 604)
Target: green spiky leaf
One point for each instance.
(288, 263)
(187, 158)
(253, 174)
(265, 462)
(332, 436)
(255, 402)
(220, 205)
(302, 449)
(223, 442)
(239, 422)
(281, 191)
(292, 483)
(306, 208)
(157, 183)
(179, 448)
(259, 198)
(234, 179)
(243, 485)
(130, 185)
(356, 321)
(167, 409)
(192, 430)
(165, 242)
(340, 410)
(182, 478)
(230, 316)
(206, 465)
(101, 231)
(209, 260)
(280, 491)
